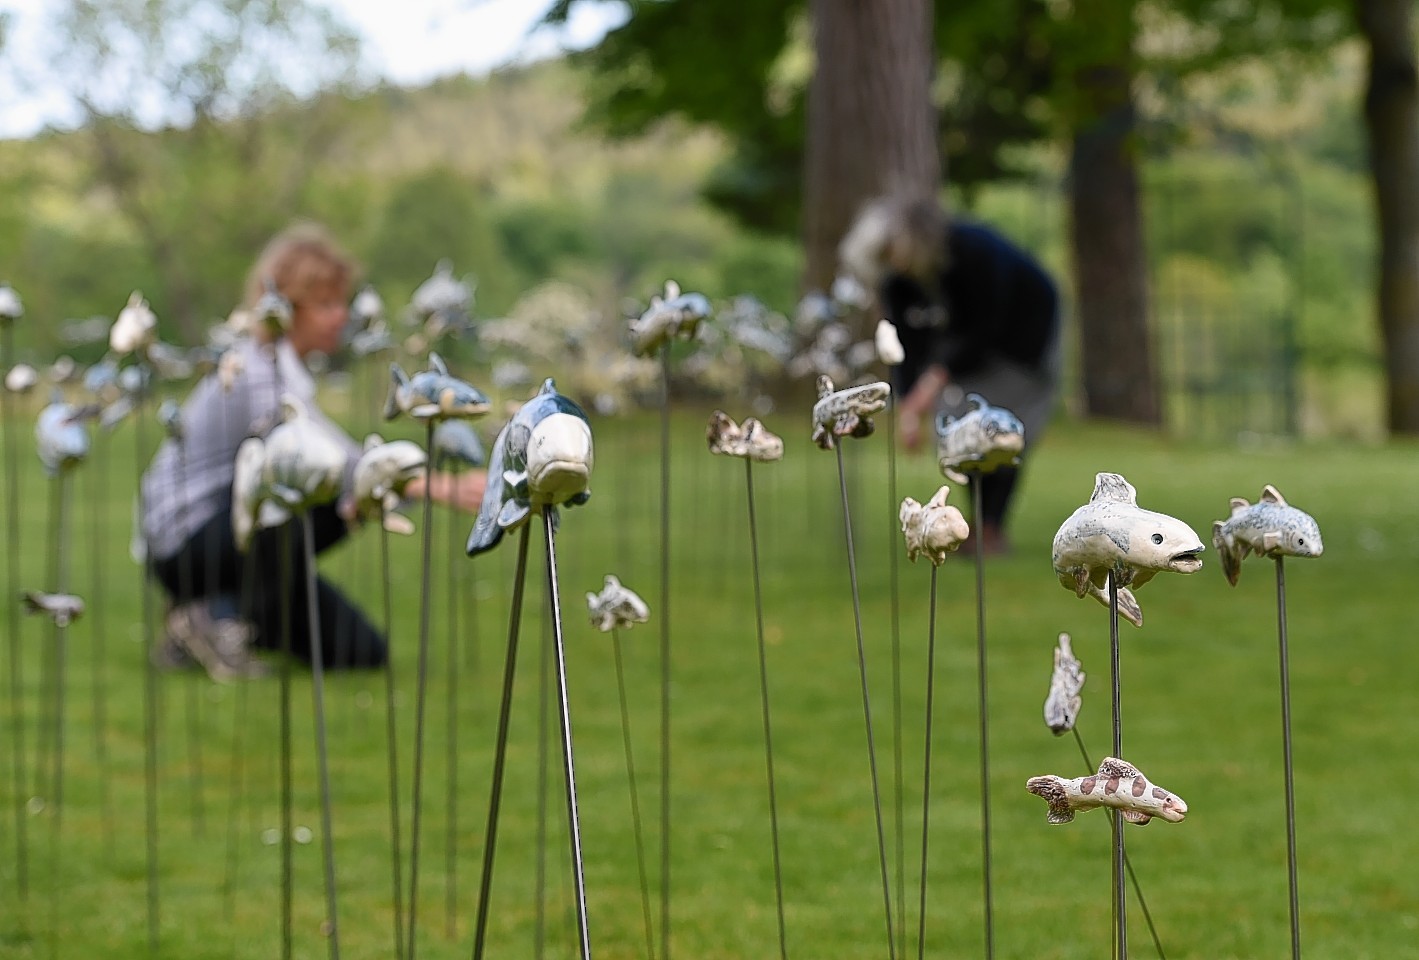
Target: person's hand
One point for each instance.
(909, 428)
(461, 491)
(918, 403)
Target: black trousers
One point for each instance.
(996, 491)
(269, 582)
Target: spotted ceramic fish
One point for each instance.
(750, 440)
(457, 446)
(1063, 702)
(934, 528)
(305, 463)
(980, 441)
(62, 608)
(383, 472)
(432, 394)
(542, 459)
(846, 413)
(1112, 533)
(135, 328)
(11, 309)
(1118, 784)
(615, 606)
(675, 315)
(1271, 527)
(61, 437)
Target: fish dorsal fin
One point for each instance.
(1112, 486)
(825, 385)
(549, 388)
(1239, 503)
(291, 407)
(437, 365)
(372, 441)
(397, 372)
(938, 499)
(1064, 648)
(672, 290)
(612, 581)
(1114, 767)
(1270, 494)
(976, 401)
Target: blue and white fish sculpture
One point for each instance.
(542, 459)
(675, 315)
(61, 437)
(457, 446)
(846, 413)
(1113, 534)
(382, 474)
(980, 441)
(1271, 527)
(432, 394)
(272, 311)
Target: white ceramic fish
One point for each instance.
(62, 608)
(63, 370)
(1271, 527)
(11, 309)
(1113, 534)
(616, 606)
(305, 463)
(251, 509)
(442, 296)
(934, 528)
(674, 315)
(135, 328)
(61, 437)
(1118, 784)
(846, 413)
(381, 476)
(1063, 701)
(888, 344)
(980, 441)
(750, 440)
(367, 307)
(21, 378)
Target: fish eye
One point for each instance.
(1300, 541)
(1157, 538)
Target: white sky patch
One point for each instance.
(409, 42)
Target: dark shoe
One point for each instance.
(222, 647)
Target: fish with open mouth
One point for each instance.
(979, 441)
(541, 459)
(62, 608)
(848, 412)
(934, 528)
(432, 394)
(1118, 784)
(1065, 683)
(383, 472)
(674, 315)
(61, 437)
(750, 440)
(615, 606)
(1271, 527)
(1113, 534)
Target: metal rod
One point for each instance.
(926, 764)
(60, 582)
(12, 570)
(764, 702)
(1128, 864)
(237, 784)
(396, 858)
(191, 700)
(894, 606)
(982, 696)
(568, 760)
(451, 703)
(317, 676)
(98, 505)
(490, 842)
(1285, 657)
(544, 706)
(420, 700)
(867, 708)
(1120, 892)
(285, 711)
(635, 793)
(150, 712)
(665, 652)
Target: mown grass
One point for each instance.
(1200, 706)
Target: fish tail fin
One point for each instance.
(1051, 790)
(1227, 552)
(397, 379)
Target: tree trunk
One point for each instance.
(1110, 266)
(871, 123)
(1392, 120)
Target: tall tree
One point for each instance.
(1392, 121)
(871, 124)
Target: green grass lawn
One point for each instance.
(1200, 703)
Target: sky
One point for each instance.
(410, 42)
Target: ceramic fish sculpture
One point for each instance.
(375, 338)
(133, 385)
(272, 312)
(442, 300)
(62, 608)
(61, 437)
(980, 441)
(888, 344)
(674, 315)
(1112, 533)
(750, 440)
(542, 459)
(381, 476)
(457, 446)
(63, 370)
(252, 510)
(615, 606)
(229, 368)
(432, 394)
(305, 464)
(366, 308)
(934, 529)
(101, 380)
(1271, 527)
(1118, 784)
(846, 413)
(135, 328)
(21, 378)
(11, 309)
(1063, 701)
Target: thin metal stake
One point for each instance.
(544, 704)
(984, 718)
(867, 708)
(150, 713)
(192, 701)
(396, 854)
(764, 701)
(237, 784)
(1285, 657)
(894, 605)
(12, 568)
(635, 793)
(490, 842)
(665, 652)
(420, 701)
(286, 821)
(60, 580)
(317, 675)
(926, 764)
(1120, 892)
(451, 798)
(98, 504)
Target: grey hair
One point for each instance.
(895, 234)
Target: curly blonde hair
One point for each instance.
(300, 259)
